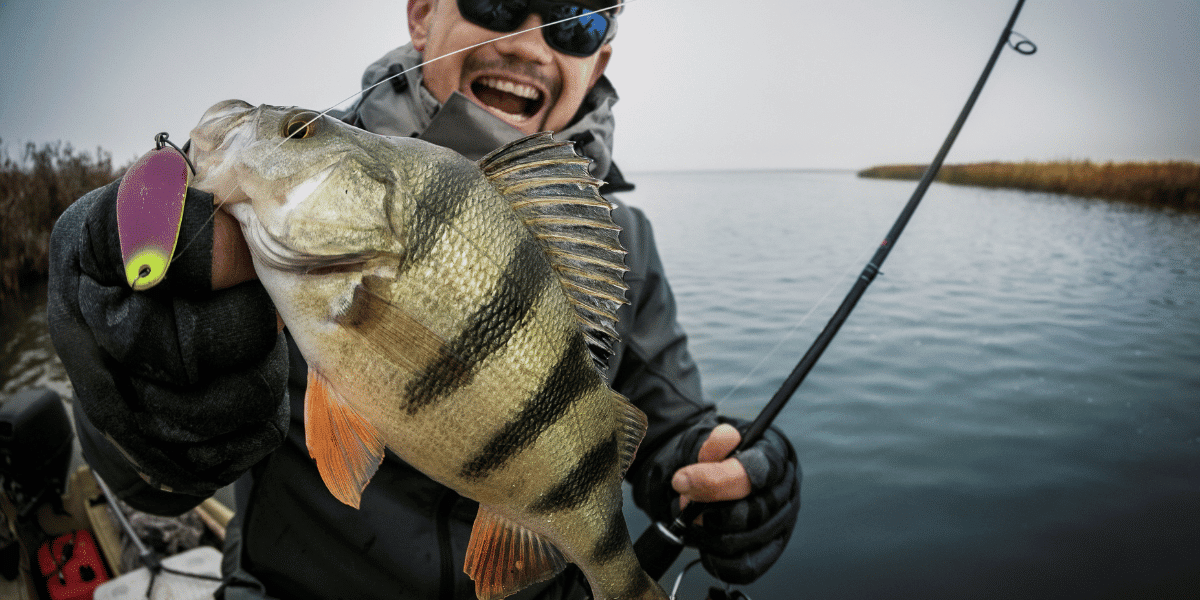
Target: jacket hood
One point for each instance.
(403, 107)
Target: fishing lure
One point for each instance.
(150, 211)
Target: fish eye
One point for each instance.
(300, 125)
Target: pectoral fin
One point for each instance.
(390, 330)
(347, 447)
(503, 557)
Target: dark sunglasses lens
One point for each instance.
(582, 36)
(577, 37)
(497, 15)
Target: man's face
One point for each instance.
(519, 79)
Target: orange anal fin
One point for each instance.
(347, 447)
(503, 557)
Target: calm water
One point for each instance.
(1010, 412)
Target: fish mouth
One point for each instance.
(514, 101)
(221, 126)
(219, 121)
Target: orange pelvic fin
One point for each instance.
(503, 557)
(347, 447)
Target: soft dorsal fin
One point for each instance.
(346, 447)
(632, 427)
(550, 188)
(503, 557)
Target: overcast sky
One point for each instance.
(739, 84)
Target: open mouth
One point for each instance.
(516, 101)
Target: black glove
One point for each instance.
(739, 540)
(188, 383)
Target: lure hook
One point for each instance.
(161, 139)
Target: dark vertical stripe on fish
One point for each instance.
(590, 472)
(430, 219)
(570, 378)
(487, 330)
(614, 539)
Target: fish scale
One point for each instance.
(459, 327)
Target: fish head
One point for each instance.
(309, 189)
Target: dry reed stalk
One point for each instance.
(34, 191)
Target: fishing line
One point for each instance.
(162, 139)
(846, 272)
(679, 579)
(618, 5)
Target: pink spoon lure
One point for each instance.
(150, 212)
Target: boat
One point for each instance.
(61, 538)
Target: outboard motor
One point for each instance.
(35, 449)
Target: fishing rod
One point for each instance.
(659, 546)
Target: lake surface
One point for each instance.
(1012, 411)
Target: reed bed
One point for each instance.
(34, 191)
(1175, 183)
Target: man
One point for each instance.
(186, 387)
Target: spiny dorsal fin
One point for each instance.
(503, 557)
(346, 447)
(549, 186)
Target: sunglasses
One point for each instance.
(581, 36)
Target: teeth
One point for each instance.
(517, 89)
(511, 116)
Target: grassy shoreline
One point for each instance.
(34, 191)
(1175, 183)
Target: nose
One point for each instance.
(529, 45)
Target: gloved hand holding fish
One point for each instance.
(455, 313)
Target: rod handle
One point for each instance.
(657, 549)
